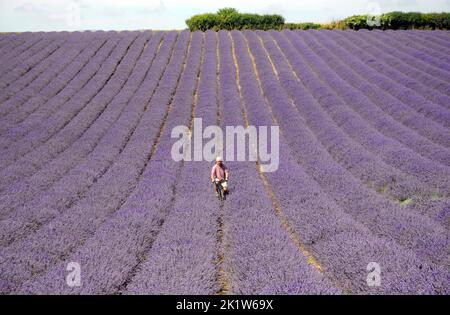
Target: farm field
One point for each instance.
(86, 173)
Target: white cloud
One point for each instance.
(120, 4)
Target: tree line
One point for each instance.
(231, 19)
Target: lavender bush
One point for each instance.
(86, 173)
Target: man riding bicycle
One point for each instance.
(220, 172)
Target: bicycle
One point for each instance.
(220, 184)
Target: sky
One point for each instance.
(72, 15)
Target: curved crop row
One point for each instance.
(137, 223)
(73, 108)
(407, 97)
(33, 43)
(110, 191)
(441, 66)
(355, 122)
(343, 149)
(29, 59)
(378, 51)
(45, 168)
(53, 93)
(303, 194)
(384, 64)
(410, 39)
(34, 80)
(87, 173)
(73, 185)
(398, 52)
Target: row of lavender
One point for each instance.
(362, 219)
(97, 285)
(79, 182)
(434, 154)
(360, 134)
(156, 211)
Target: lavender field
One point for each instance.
(86, 173)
